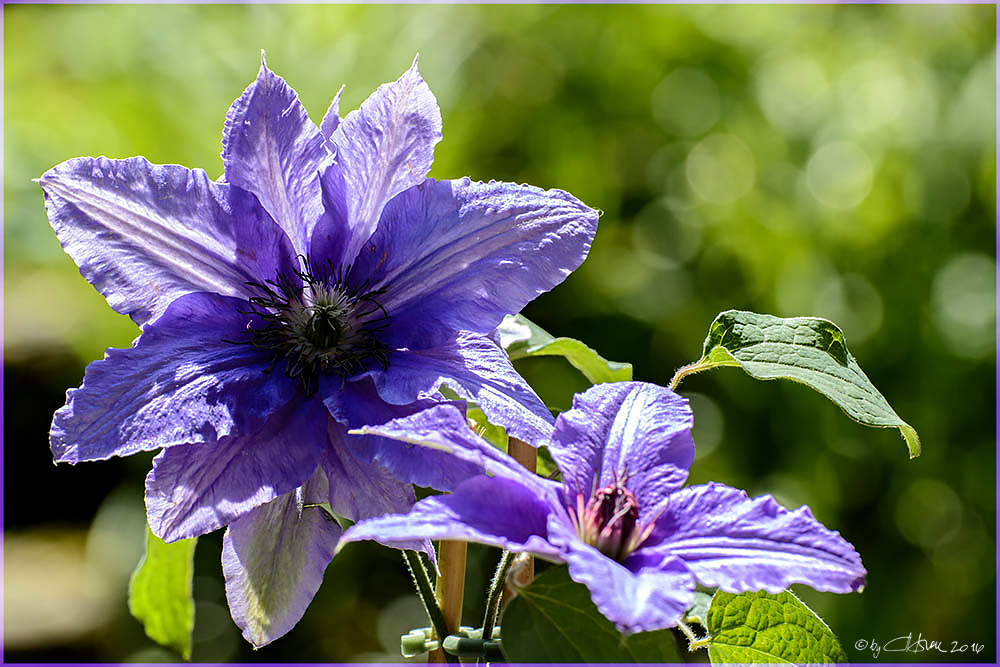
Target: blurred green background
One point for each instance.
(815, 160)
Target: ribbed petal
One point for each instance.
(360, 490)
(631, 429)
(145, 234)
(644, 594)
(444, 428)
(331, 119)
(489, 510)
(195, 489)
(383, 148)
(477, 369)
(459, 255)
(179, 384)
(332, 234)
(272, 149)
(739, 544)
(359, 405)
(273, 561)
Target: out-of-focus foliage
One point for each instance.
(834, 161)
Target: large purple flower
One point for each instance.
(620, 519)
(323, 283)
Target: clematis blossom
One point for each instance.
(621, 518)
(322, 284)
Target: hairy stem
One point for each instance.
(690, 369)
(425, 592)
(496, 594)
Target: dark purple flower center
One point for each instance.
(609, 520)
(318, 323)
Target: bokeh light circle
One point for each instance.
(840, 174)
(721, 169)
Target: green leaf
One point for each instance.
(523, 338)
(554, 620)
(809, 350)
(159, 592)
(760, 627)
(491, 433)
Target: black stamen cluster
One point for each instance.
(318, 322)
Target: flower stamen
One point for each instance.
(609, 520)
(318, 322)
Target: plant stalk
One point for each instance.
(701, 365)
(527, 456)
(495, 594)
(450, 592)
(425, 591)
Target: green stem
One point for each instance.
(693, 642)
(496, 594)
(425, 592)
(690, 369)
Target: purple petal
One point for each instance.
(635, 429)
(358, 405)
(273, 561)
(644, 594)
(195, 489)
(459, 255)
(146, 234)
(477, 369)
(444, 428)
(179, 383)
(332, 234)
(272, 149)
(739, 544)
(383, 148)
(331, 119)
(360, 490)
(489, 510)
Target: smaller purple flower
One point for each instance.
(620, 519)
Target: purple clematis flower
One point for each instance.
(322, 284)
(620, 520)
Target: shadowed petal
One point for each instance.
(360, 490)
(195, 489)
(385, 147)
(273, 560)
(332, 234)
(477, 369)
(626, 428)
(488, 510)
(739, 544)
(358, 405)
(643, 594)
(146, 234)
(459, 255)
(272, 149)
(444, 428)
(179, 383)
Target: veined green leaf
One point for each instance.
(523, 338)
(160, 592)
(760, 627)
(809, 350)
(553, 619)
